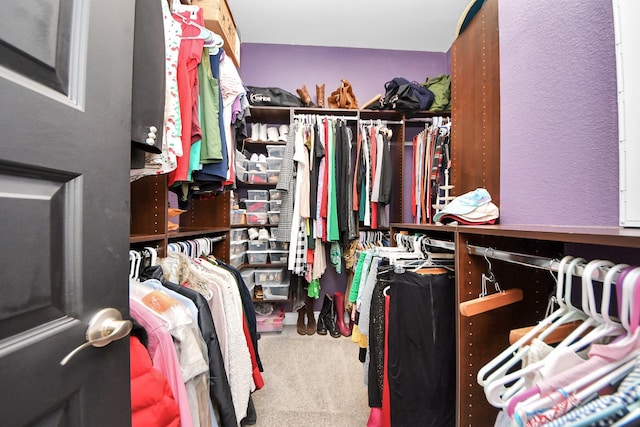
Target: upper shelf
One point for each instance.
(606, 236)
(285, 114)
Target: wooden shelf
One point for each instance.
(606, 236)
(195, 231)
(265, 265)
(251, 141)
(141, 238)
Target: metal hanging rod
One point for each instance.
(372, 122)
(533, 261)
(328, 116)
(443, 244)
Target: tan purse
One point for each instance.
(343, 97)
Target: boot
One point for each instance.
(338, 299)
(311, 320)
(326, 307)
(327, 318)
(300, 327)
(320, 95)
(330, 320)
(304, 96)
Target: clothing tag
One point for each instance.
(158, 302)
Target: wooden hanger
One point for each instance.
(490, 302)
(558, 334)
(486, 302)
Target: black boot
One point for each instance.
(326, 307)
(328, 316)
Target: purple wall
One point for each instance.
(559, 133)
(289, 67)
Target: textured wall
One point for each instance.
(289, 67)
(559, 150)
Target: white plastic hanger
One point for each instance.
(604, 375)
(496, 389)
(153, 253)
(493, 368)
(499, 394)
(606, 327)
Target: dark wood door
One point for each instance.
(65, 86)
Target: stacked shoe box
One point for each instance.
(238, 246)
(272, 322)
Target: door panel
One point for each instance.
(65, 85)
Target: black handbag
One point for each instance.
(272, 97)
(403, 95)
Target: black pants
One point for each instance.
(422, 358)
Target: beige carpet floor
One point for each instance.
(310, 381)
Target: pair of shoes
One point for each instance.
(327, 318)
(255, 234)
(259, 131)
(306, 311)
(262, 132)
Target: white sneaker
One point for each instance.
(284, 133)
(262, 158)
(263, 234)
(263, 132)
(253, 233)
(272, 134)
(254, 158)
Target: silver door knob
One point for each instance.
(105, 326)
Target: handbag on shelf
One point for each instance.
(403, 95)
(343, 97)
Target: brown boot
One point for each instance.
(320, 95)
(300, 326)
(311, 320)
(304, 95)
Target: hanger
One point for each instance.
(561, 331)
(605, 327)
(512, 354)
(211, 39)
(499, 393)
(486, 302)
(153, 253)
(607, 374)
(628, 303)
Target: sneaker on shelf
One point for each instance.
(263, 132)
(272, 134)
(284, 133)
(263, 234)
(255, 131)
(262, 158)
(253, 233)
(254, 157)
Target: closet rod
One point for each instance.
(530, 260)
(304, 116)
(443, 244)
(371, 122)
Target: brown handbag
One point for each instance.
(343, 97)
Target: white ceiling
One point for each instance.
(418, 25)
